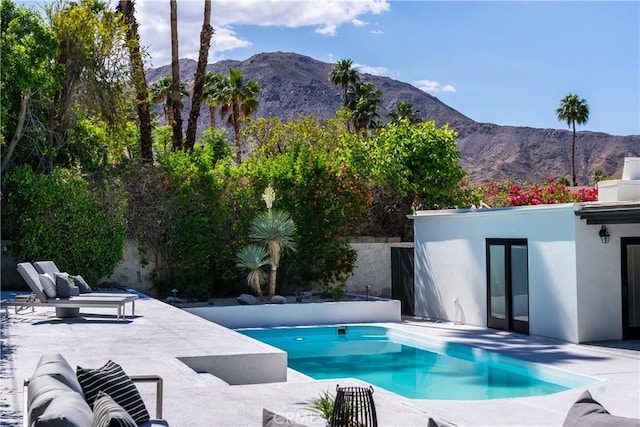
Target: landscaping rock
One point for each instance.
(306, 294)
(246, 299)
(277, 299)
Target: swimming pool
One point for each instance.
(413, 366)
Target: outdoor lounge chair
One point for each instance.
(50, 267)
(65, 307)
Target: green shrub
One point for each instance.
(56, 217)
(326, 201)
(201, 241)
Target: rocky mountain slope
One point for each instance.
(294, 85)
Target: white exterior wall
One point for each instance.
(599, 281)
(450, 262)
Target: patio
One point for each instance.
(162, 340)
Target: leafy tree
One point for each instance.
(127, 9)
(90, 73)
(240, 99)
(160, 93)
(216, 142)
(93, 144)
(174, 94)
(418, 160)
(198, 86)
(214, 86)
(343, 74)
(404, 110)
(28, 47)
(572, 110)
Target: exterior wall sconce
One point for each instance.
(604, 235)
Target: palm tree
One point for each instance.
(573, 109)
(127, 9)
(198, 84)
(275, 229)
(240, 99)
(404, 110)
(174, 94)
(363, 101)
(160, 91)
(253, 258)
(214, 89)
(343, 74)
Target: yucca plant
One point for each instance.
(253, 258)
(275, 229)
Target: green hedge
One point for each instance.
(57, 217)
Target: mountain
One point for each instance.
(294, 85)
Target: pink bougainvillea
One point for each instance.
(508, 193)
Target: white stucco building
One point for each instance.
(541, 270)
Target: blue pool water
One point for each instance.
(12, 294)
(412, 366)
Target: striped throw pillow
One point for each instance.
(107, 413)
(112, 380)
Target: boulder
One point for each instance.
(277, 299)
(246, 299)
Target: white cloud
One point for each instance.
(328, 30)
(431, 86)
(323, 18)
(358, 23)
(369, 69)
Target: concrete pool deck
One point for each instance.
(162, 340)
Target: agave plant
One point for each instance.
(274, 229)
(253, 258)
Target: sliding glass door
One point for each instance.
(508, 285)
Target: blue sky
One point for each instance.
(503, 62)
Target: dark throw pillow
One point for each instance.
(81, 284)
(588, 412)
(63, 288)
(112, 380)
(107, 413)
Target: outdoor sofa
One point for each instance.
(56, 395)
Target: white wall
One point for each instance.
(451, 263)
(373, 268)
(599, 281)
(326, 313)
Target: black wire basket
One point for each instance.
(354, 407)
